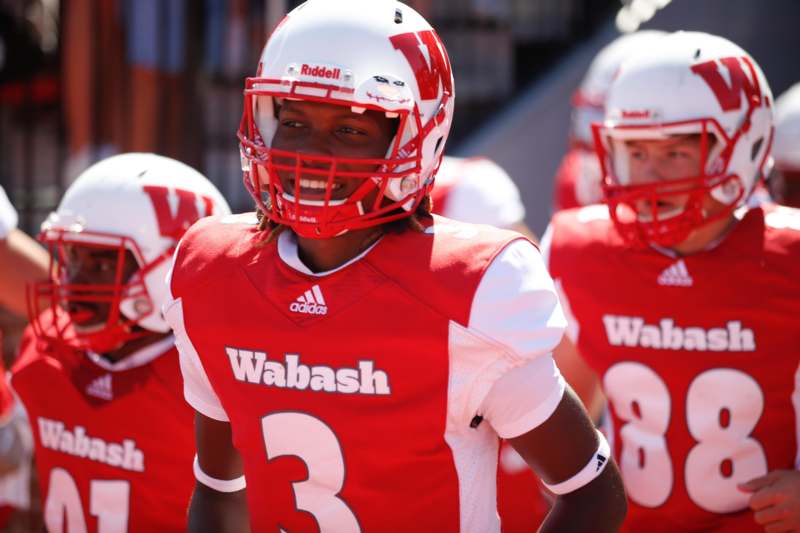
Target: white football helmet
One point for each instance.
(687, 83)
(364, 54)
(131, 203)
(785, 180)
(589, 100)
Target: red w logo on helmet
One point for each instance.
(730, 95)
(432, 70)
(186, 214)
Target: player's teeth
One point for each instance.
(316, 184)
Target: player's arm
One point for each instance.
(581, 378)
(219, 501)
(573, 366)
(573, 460)
(22, 261)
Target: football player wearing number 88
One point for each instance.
(682, 300)
(368, 355)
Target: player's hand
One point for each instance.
(776, 500)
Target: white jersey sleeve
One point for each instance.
(483, 194)
(515, 322)
(196, 387)
(503, 380)
(8, 215)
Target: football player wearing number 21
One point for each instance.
(98, 372)
(685, 302)
(367, 356)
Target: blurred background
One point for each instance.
(83, 79)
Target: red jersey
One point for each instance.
(577, 181)
(698, 356)
(356, 397)
(114, 444)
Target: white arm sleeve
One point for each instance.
(484, 194)
(196, 387)
(516, 310)
(8, 215)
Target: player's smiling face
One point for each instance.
(662, 161)
(328, 130)
(92, 274)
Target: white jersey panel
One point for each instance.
(475, 450)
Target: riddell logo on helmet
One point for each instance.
(636, 114)
(319, 71)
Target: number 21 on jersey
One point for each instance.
(108, 501)
(723, 406)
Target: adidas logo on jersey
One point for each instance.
(632, 331)
(676, 275)
(310, 302)
(101, 388)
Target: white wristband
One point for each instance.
(219, 485)
(593, 468)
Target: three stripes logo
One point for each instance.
(601, 459)
(310, 302)
(676, 275)
(101, 388)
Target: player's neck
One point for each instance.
(321, 255)
(134, 346)
(706, 236)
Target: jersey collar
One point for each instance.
(288, 252)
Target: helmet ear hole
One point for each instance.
(728, 191)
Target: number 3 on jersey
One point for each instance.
(723, 406)
(313, 441)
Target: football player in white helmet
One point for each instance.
(784, 183)
(649, 140)
(683, 300)
(374, 354)
(578, 179)
(98, 372)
